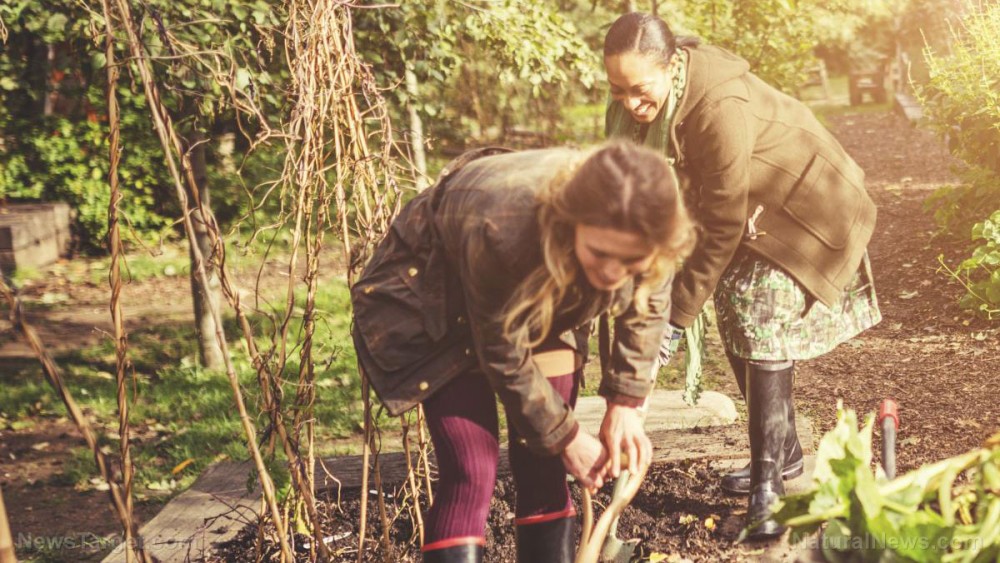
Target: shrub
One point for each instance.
(67, 160)
(962, 102)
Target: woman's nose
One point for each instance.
(614, 271)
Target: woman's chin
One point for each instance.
(602, 285)
(644, 117)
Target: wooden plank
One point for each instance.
(715, 442)
(211, 512)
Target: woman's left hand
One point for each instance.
(622, 432)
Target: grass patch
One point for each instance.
(582, 124)
(25, 275)
(838, 103)
(182, 412)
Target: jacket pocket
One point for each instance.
(389, 314)
(399, 307)
(827, 202)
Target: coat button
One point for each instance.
(468, 351)
(424, 386)
(369, 289)
(413, 272)
(616, 310)
(522, 441)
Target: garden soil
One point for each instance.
(940, 363)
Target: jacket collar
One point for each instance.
(708, 66)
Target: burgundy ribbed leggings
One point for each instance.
(462, 418)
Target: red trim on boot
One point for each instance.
(539, 518)
(452, 542)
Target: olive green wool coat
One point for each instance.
(747, 153)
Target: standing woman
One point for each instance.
(485, 287)
(785, 223)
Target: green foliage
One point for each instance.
(53, 116)
(946, 511)
(962, 102)
(67, 161)
(480, 66)
(962, 99)
(774, 37)
(980, 273)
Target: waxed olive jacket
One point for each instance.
(758, 169)
(428, 306)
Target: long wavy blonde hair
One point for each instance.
(620, 186)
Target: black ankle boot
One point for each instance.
(464, 553)
(769, 399)
(738, 482)
(547, 542)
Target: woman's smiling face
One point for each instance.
(640, 82)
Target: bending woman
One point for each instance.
(485, 287)
(786, 221)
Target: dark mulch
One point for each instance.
(679, 510)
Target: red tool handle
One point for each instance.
(889, 409)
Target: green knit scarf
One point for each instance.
(619, 123)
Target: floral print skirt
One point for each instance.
(764, 314)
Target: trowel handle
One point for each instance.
(888, 417)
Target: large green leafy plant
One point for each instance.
(943, 512)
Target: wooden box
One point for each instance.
(33, 234)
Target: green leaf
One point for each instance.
(242, 78)
(98, 60)
(57, 23)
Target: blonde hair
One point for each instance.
(620, 186)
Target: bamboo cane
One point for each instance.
(114, 279)
(171, 145)
(412, 480)
(7, 554)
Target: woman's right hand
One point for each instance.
(586, 460)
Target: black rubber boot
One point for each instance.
(464, 553)
(547, 542)
(738, 482)
(769, 398)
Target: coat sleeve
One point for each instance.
(719, 146)
(635, 348)
(540, 415)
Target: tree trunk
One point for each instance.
(50, 84)
(209, 351)
(416, 129)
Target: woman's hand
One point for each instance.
(586, 460)
(622, 431)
